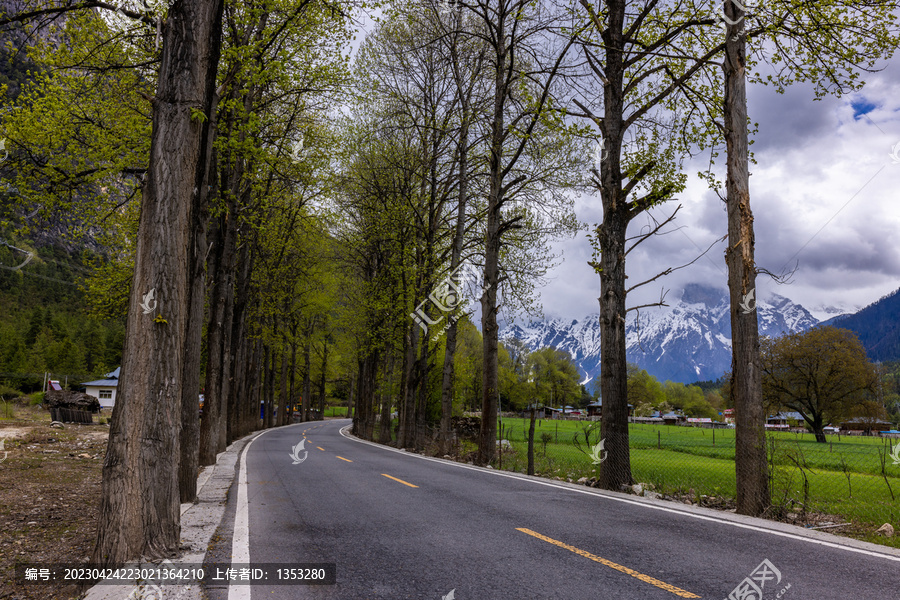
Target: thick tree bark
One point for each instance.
(241, 349)
(365, 402)
(455, 258)
(487, 444)
(221, 268)
(746, 387)
(139, 505)
(611, 235)
(225, 372)
(254, 386)
(189, 464)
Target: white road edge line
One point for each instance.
(240, 539)
(343, 432)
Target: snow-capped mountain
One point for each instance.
(825, 312)
(690, 340)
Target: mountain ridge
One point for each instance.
(688, 341)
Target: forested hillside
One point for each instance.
(45, 325)
(878, 327)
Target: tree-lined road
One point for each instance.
(399, 525)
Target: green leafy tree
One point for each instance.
(823, 374)
(645, 393)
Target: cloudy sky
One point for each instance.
(824, 194)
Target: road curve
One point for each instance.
(399, 525)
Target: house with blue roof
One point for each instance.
(104, 390)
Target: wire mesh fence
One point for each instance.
(848, 483)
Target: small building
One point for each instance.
(673, 418)
(595, 409)
(866, 425)
(104, 390)
(785, 420)
(728, 413)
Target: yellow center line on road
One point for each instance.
(400, 480)
(321, 448)
(637, 575)
(342, 458)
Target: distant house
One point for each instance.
(104, 390)
(866, 425)
(785, 420)
(595, 409)
(671, 418)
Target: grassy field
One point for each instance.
(842, 477)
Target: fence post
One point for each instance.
(658, 440)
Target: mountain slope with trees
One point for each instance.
(877, 326)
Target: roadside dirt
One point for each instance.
(49, 498)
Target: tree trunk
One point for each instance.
(487, 444)
(225, 372)
(139, 504)
(283, 399)
(384, 433)
(355, 417)
(270, 395)
(746, 387)
(189, 464)
(254, 385)
(307, 375)
(221, 267)
(611, 236)
(365, 402)
(293, 391)
(323, 379)
(238, 394)
(422, 402)
(350, 404)
(455, 256)
(531, 440)
(406, 410)
(236, 390)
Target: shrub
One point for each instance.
(8, 393)
(36, 398)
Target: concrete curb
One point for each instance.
(741, 521)
(199, 522)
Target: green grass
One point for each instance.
(680, 459)
(335, 411)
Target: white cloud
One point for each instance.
(824, 193)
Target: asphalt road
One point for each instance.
(399, 525)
